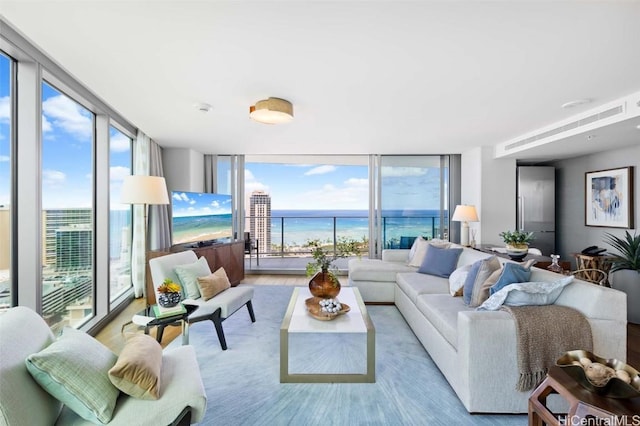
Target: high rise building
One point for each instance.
(260, 219)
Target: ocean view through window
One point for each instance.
(5, 182)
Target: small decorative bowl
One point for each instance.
(614, 388)
(314, 309)
(168, 300)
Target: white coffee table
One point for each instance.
(354, 322)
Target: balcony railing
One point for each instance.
(289, 234)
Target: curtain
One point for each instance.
(159, 224)
(138, 248)
(210, 173)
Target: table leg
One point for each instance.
(185, 332)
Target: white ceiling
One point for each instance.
(364, 76)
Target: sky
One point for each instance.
(67, 150)
(340, 187)
(199, 204)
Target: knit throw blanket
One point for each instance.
(544, 333)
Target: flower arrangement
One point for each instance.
(168, 293)
(517, 239)
(169, 286)
(323, 261)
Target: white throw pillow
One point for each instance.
(457, 279)
(421, 245)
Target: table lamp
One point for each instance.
(465, 214)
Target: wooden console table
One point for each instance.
(584, 405)
(227, 255)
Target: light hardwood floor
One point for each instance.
(113, 337)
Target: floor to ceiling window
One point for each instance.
(67, 210)
(119, 215)
(5, 180)
(414, 199)
(291, 200)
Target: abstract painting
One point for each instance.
(609, 198)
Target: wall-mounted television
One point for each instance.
(199, 217)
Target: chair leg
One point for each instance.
(159, 333)
(250, 309)
(217, 322)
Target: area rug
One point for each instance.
(243, 383)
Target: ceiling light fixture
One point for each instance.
(575, 103)
(203, 107)
(272, 111)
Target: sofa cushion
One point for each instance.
(188, 275)
(526, 294)
(74, 369)
(457, 279)
(376, 270)
(442, 312)
(440, 262)
(137, 371)
(480, 271)
(213, 284)
(512, 273)
(414, 284)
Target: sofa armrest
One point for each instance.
(395, 255)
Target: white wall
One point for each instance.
(490, 185)
(183, 169)
(571, 233)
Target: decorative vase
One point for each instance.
(517, 252)
(168, 300)
(325, 285)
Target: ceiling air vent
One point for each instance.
(619, 109)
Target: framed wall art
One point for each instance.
(609, 198)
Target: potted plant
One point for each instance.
(168, 293)
(325, 283)
(625, 270)
(517, 243)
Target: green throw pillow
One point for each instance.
(74, 369)
(188, 275)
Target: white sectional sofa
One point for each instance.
(476, 350)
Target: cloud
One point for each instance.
(69, 116)
(4, 158)
(215, 204)
(321, 170)
(53, 178)
(117, 173)
(5, 109)
(181, 196)
(351, 194)
(403, 171)
(252, 184)
(46, 125)
(119, 143)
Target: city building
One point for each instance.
(260, 219)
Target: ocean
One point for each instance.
(302, 225)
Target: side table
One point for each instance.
(147, 319)
(584, 405)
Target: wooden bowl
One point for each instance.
(614, 388)
(315, 310)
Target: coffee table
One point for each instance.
(355, 322)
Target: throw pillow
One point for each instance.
(421, 245)
(456, 280)
(188, 275)
(526, 294)
(137, 371)
(213, 284)
(511, 273)
(440, 262)
(493, 279)
(478, 274)
(74, 369)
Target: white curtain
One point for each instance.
(210, 173)
(138, 248)
(159, 224)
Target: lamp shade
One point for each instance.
(272, 111)
(138, 189)
(465, 213)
